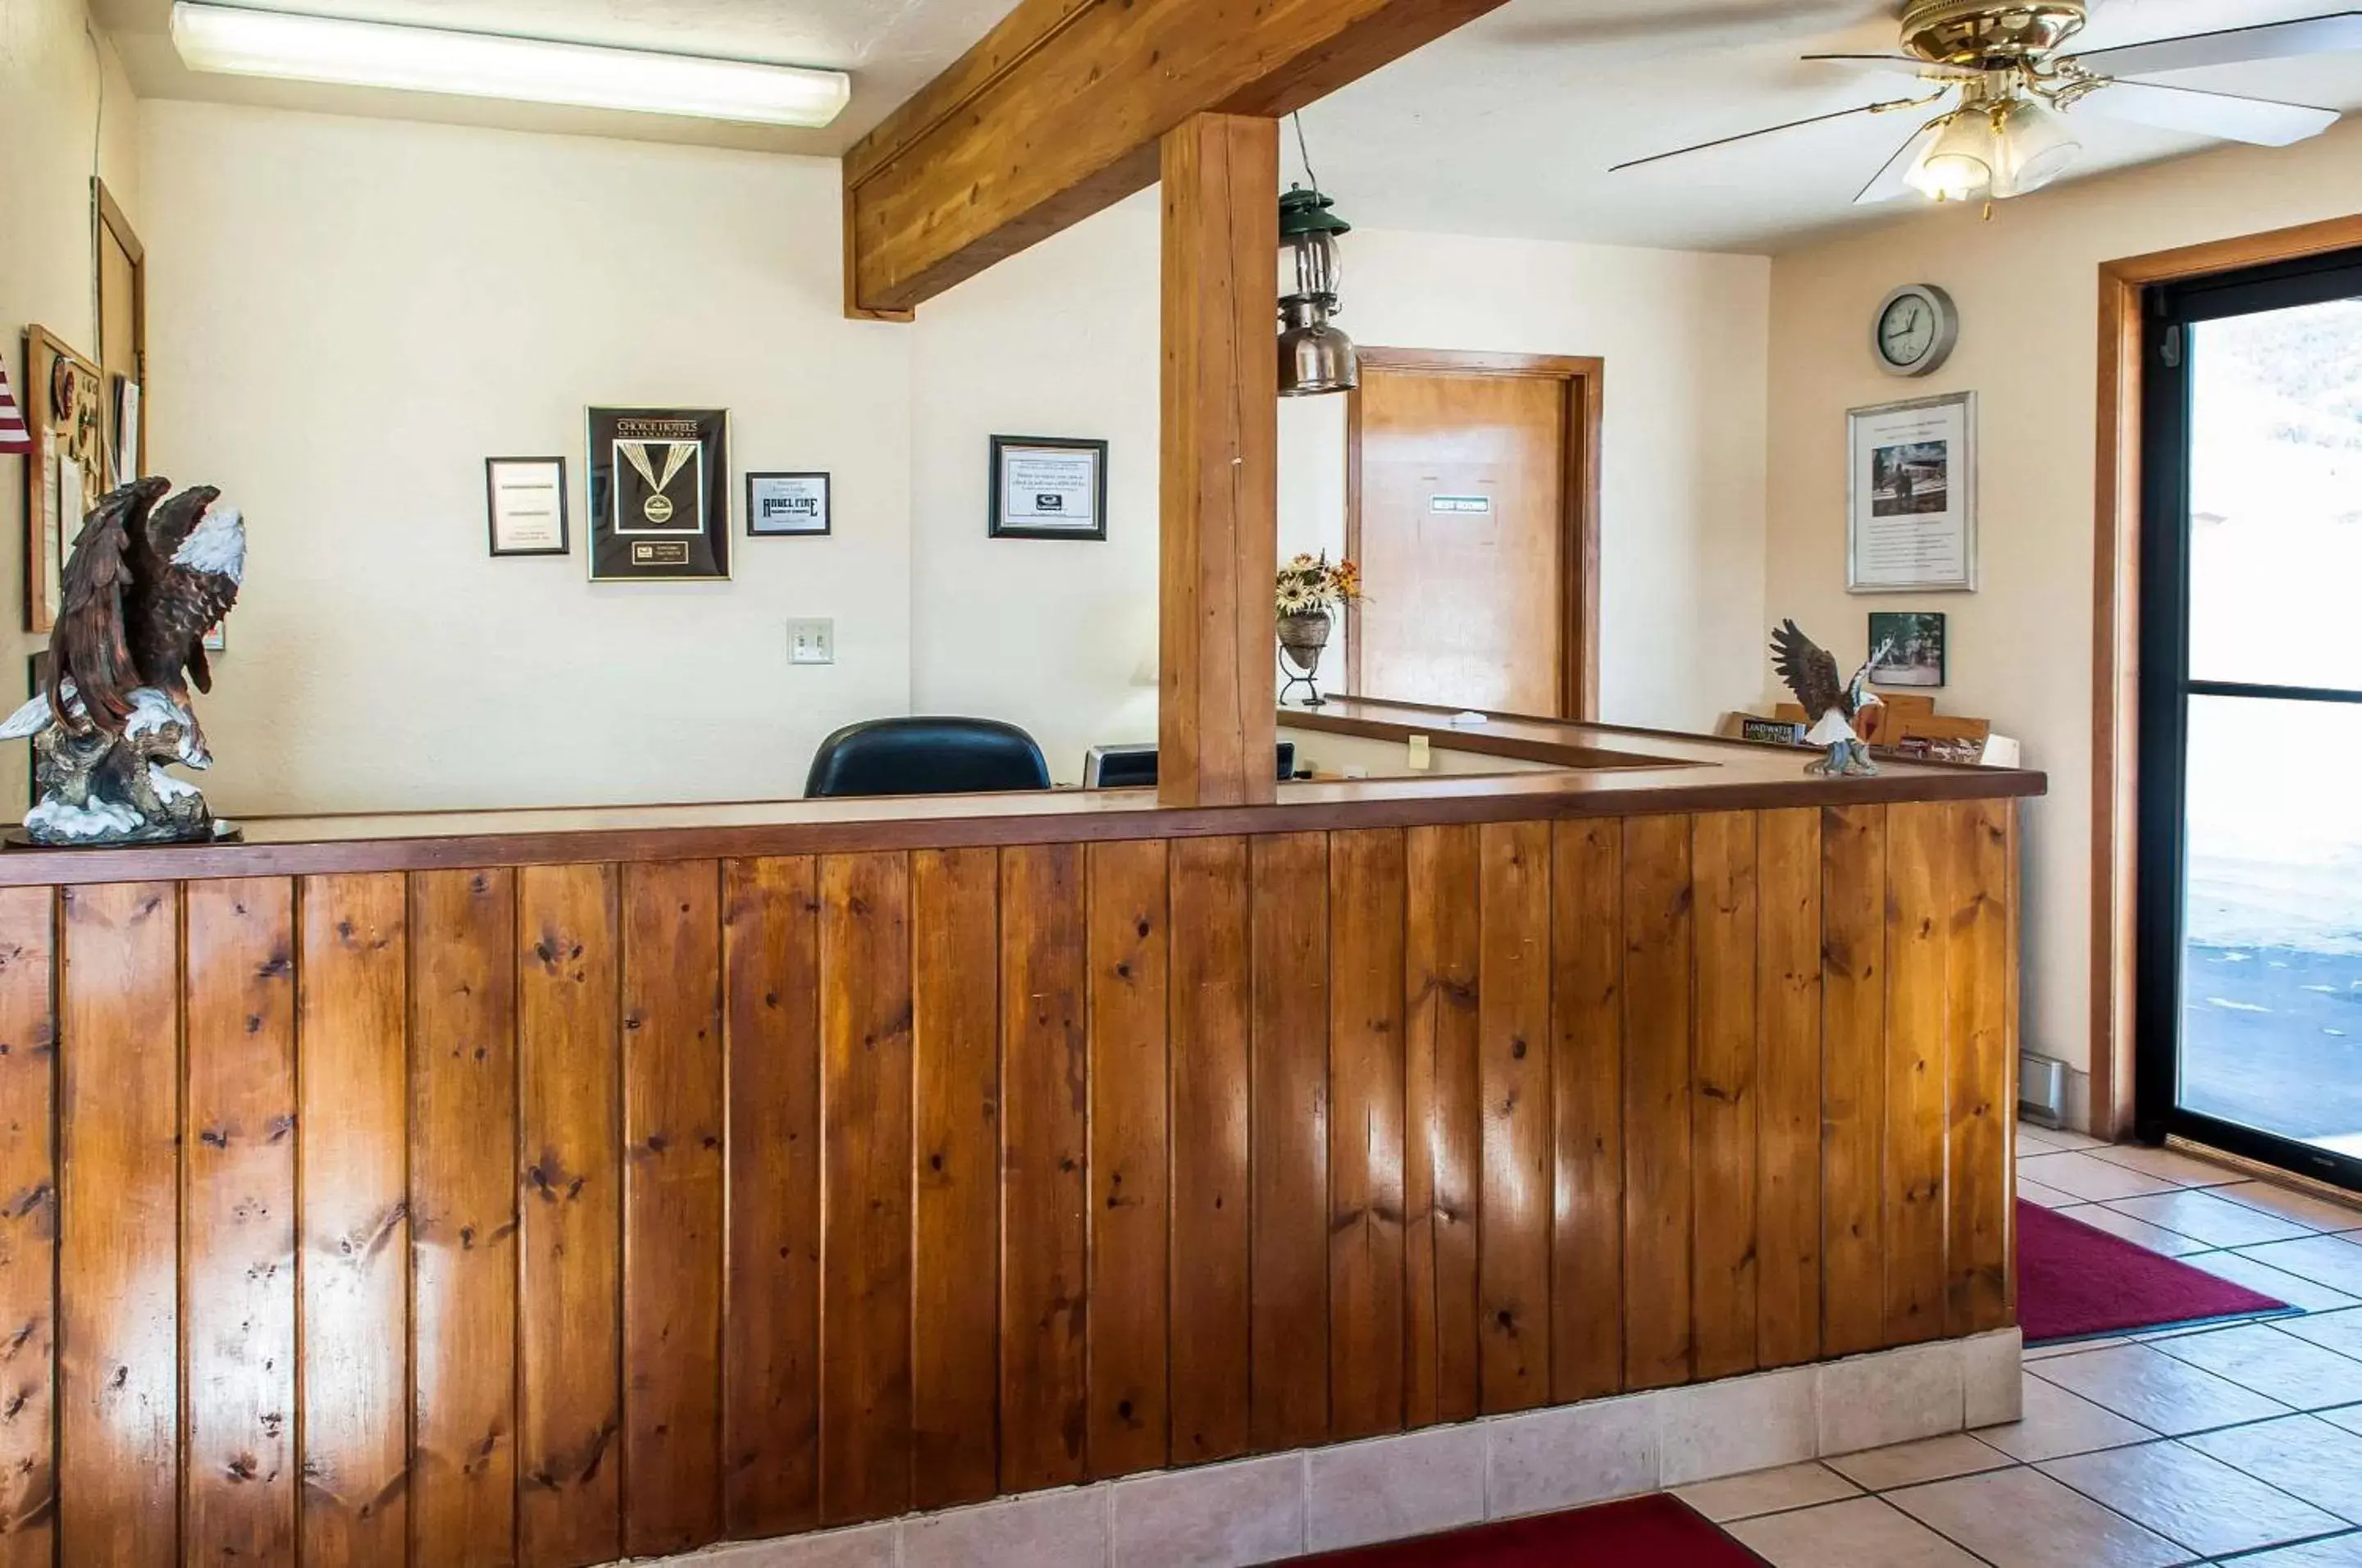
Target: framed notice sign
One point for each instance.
(787, 504)
(659, 495)
(1047, 487)
(526, 500)
(1913, 499)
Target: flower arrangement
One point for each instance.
(1315, 585)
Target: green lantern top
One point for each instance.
(1303, 211)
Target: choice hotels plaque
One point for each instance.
(659, 495)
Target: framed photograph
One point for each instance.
(1047, 487)
(1912, 503)
(1913, 645)
(785, 504)
(659, 495)
(217, 637)
(524, 498)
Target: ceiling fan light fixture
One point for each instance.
(1959, 164)
(2037, 146)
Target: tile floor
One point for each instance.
(2239, 1444)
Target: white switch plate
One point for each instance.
(812, 642)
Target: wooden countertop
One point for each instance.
(1610, 771)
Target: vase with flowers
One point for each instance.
(1312, 588)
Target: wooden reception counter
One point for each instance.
(549, 1186)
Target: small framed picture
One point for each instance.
(1909, 646)
(525, 499)
(1048, 487)
(217, 637)
(785, 504)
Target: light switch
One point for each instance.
(812, 642)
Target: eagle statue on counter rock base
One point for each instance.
(144, 583)
(1811, 672)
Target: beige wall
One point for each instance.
(63, 100)
(2026, 283)
(350, 315)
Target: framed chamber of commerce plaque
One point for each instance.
(659, 495)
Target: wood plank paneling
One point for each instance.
(1918, 941)
(1658, 1085)
(865, 1323)
(238, 1221)
(353, 1138)
(569, 1325)
(1979, 1194)
(1723, 1104)
(463, 1208)
(1210, 1324)
(1788, 1088)
(770, 1354)
(1044, 1189)
(956, 1043)
(1368, 908)
(673, 1087)
(1288, 1077)
(1513, 989)
(1443, 1111)
(1587, 1112)
(28, 1230)
(118, 1104)
(1130, 1236)
(1854, 1085)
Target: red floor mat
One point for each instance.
(2074, 1281)
(1644, 1532)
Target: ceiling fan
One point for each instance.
(2001, 72)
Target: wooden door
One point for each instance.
(122, 324)
(1469, 517)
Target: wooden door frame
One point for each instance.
(1578, 507)
(2115, 626)
(112, 221)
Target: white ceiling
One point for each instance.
(1507, 126)
(891, 48)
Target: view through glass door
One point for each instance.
(2250, 943)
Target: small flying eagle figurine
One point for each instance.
(143, 584)
(1811, 672)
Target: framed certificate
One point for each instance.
(785, 504)
(1046, 487)
(525, 499)
(1912, 503)
(659, 495)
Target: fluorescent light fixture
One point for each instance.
(484, 65)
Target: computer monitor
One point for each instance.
(1134, 767)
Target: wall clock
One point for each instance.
(1916, 330)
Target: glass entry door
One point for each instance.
(2249, 1012)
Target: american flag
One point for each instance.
(13, 436)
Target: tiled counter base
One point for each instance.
(1260, 1511)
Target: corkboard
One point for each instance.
(63, 397)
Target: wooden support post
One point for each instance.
(1216, 729)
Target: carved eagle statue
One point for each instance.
(144, 583)
(1831, 705)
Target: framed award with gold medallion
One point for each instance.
(659, 495)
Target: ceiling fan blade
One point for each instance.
(1889, 183)
(2257, 120)
(1910, 62)
(1748, 136)
(2272, 41)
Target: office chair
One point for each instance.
(927, 756)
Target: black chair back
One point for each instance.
(927, 756)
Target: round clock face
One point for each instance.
(1916, 330)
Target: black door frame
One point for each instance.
(2170, 310)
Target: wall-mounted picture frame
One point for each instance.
(659, 487)
(787, 505)
(1049, 487)
(1911, 525)
(1913, 641)
(525, 506)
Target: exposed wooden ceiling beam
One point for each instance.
(1059, 111)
